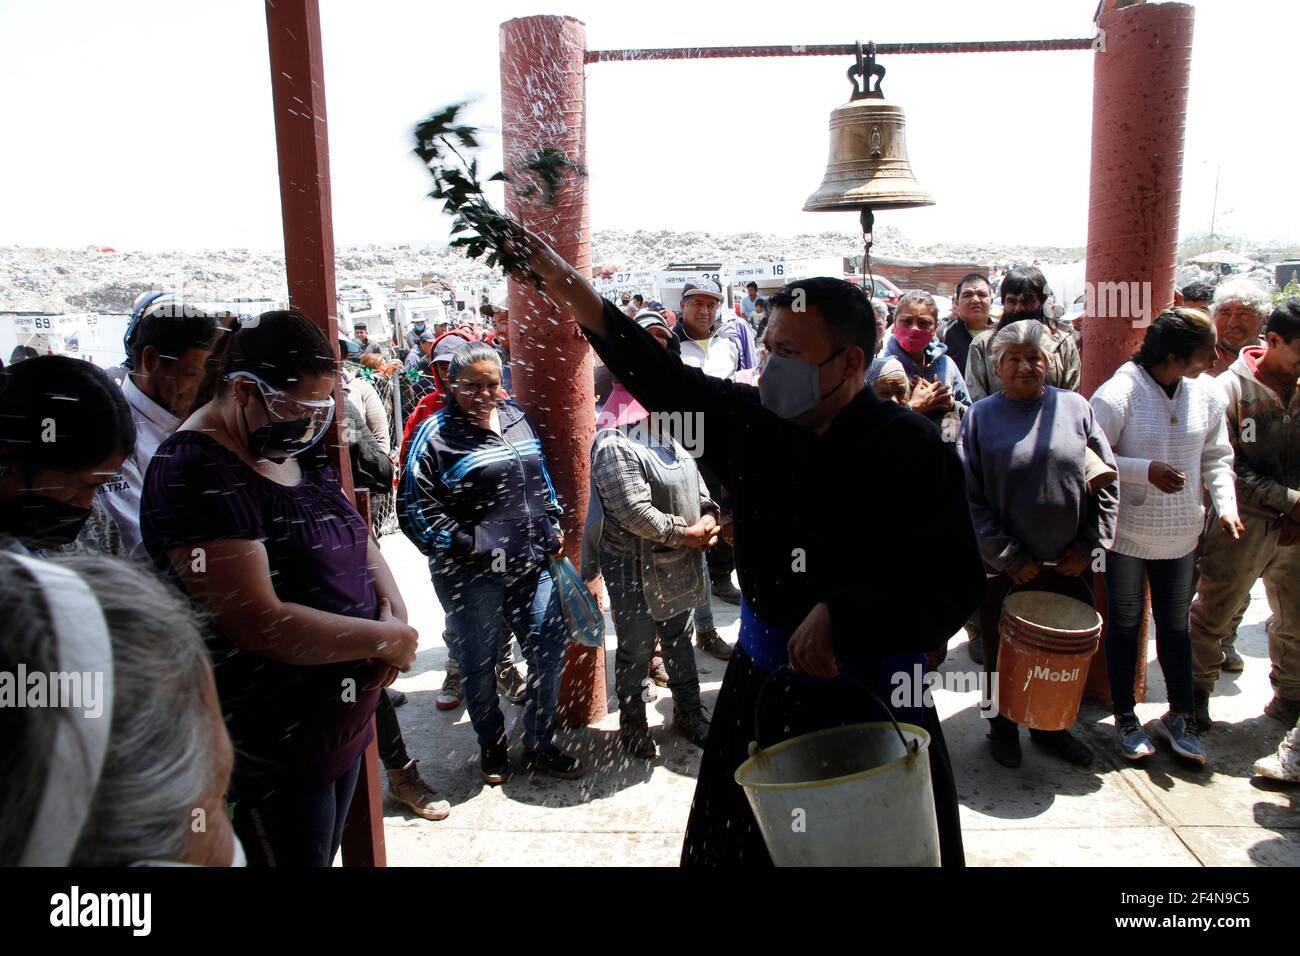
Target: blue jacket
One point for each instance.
(469, 495)
(938, 367)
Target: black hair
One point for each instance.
(467, 355)
(486, 311)
(638, 295)
(1176, 333)
(1285, 320)
(761, 300)
(279, 348)
(87, 412)
(21, 353)
(1024, 279)
(969, 278)
(752, 285)
(843, 306)
(1198, 292)
(173, 330)
(216, 359)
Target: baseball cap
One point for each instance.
(703, 287)
(447, 346)
(647, 318)
(169, 305)
(428, 337)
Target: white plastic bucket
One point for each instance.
(858, 795)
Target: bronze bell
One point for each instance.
(868, 167)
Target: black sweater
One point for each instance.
(871, 517)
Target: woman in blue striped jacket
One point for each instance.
(475, 496)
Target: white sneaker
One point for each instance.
(1285, 764)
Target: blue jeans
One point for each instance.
(704, 613)
(296, 827)
(482, 608)
(505, 659)
(1171, 598)
(636, 631)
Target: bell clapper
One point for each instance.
(868, 220)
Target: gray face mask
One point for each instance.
(789, 387)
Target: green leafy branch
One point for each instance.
(479, 229)
(549, 165)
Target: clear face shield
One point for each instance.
(294, 424)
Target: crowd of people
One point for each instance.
(183, 522)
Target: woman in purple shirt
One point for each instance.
(242, 507)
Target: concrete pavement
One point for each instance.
(632, 813)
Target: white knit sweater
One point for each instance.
(1187, 432)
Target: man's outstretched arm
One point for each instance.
(653, 374)
(565, 285)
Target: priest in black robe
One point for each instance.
(854, 544)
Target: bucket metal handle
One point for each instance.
(754, 747)
(1082, 592)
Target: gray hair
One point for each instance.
(161, 759)
(882, 311)
(919, 298)
(1024, 332)
(469, 354)
(1245, 292)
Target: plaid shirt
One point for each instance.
(624, 490)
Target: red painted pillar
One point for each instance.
(302, 145)
(543, 103)
(1139, 108)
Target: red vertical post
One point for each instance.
(302, 145)
(543, 103)
(1139, 111)
(1139, 108)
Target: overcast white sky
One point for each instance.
(146, 124)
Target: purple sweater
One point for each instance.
(290, 724)
(1024, 465)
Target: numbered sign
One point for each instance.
(631, 281)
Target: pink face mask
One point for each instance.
(913, 340)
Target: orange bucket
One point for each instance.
(1045, 643)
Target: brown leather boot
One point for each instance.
(1283, 709)
(710, 641)
(406, 787)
